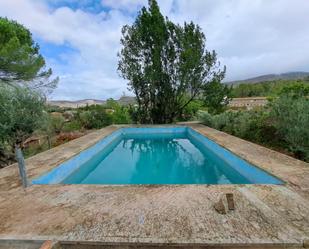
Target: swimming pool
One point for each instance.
(166, 155)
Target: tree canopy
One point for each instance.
(267, 88)
(21, 111)
(20, 59)
(167, 65)
(216, 96)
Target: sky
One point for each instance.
(80, 38)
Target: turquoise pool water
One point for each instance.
(177, 155)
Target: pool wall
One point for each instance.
(254, 174)
(65, 169)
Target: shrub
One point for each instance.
(224, 121)
(291, 119)
(21, 111)
(121, 116)
(94, 117)
(191, 110)
(216, 96)
(284, 124)
(53, 108)
(84, 117)
(73, 125)
(240, 124)
(297, 90)
(57, 123)
(98, 116)
(205, 118)
(254, 125)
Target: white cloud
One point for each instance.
(127, 5)
(90, 71)
(251, 37)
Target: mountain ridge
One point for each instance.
(271, 77)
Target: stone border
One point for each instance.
(255, 174)
(292, 171)
(264, 215)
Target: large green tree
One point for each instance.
(167, 65)
(20, 59)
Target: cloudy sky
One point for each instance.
(80, 38)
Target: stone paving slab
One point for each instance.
(264, 215)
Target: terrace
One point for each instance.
(146, 216)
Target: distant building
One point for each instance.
(248, 103)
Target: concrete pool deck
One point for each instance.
(276, 216)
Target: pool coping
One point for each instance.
(255, 174)
(291, 198)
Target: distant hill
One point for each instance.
(124, 100)
(271, 77)
(75, 104)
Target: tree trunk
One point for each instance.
(49, 142)
(21, 165)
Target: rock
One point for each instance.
(230, 201)
(48, 244)
(220, 207)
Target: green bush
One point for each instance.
(252, 125)
(291, 119)
(85, 119)
(267, 88)
(98, 116)
(297, 90)
(57, 122)
(53, 108)
(93, 117)
(216, 96)
(205, 118)
(283, 124)
(224, 121)
(73, 125)
(21, 112)
(191, 110)
(120, 114)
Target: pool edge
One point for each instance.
(62, 171)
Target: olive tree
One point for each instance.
(167, 65)
(21, 112)
(290, 112)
